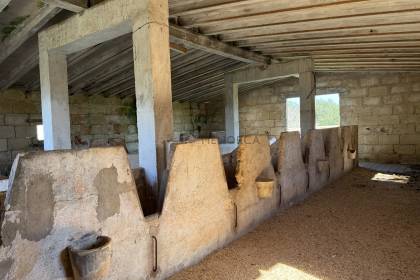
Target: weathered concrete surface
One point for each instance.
(349, 140)
(255, 74)
(152, 72)
(315, 159)
(148, 22)
(198, 214)
(333, 150)
(307, 101)
(55, 100)
(253, 163)
(57, 197)
(292, 173)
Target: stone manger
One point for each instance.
(57, 197)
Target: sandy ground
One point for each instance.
(364, 226)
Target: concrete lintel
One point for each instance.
(148, 22)
(102, 22)
(273, 71)
(257, 74)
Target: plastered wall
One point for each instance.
(56, 197)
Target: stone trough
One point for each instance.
(56, 198)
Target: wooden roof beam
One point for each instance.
(4, 4)
(190, 39)
(75, 6)
(31, 27)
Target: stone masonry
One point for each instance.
(385, 106)
(95, 121)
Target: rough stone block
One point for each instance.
(97, 119)
(7, 132)
(372, 101)
(378, 91)
(25, 131)
(410, 139)
(132, 147)
(403, 109)
(388, 80)
(18, 144)
(27, 107)
(5, 157)
(405, 149)
(383, 110)
(369, 139)
(403, 129)
(368, 82)
(393, 99)
(131, 138)
(415, 97)
(351, 101)
(385, 149)
(3, 145)
(387, 120)
(16, 119)
(365, 149)
(400, 89)
(358, 92)
(410, 119)
(389, 139)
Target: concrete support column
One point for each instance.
(152, 73)
(55, 100)
(231, 110)
(307, 101)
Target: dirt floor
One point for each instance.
(364, 226)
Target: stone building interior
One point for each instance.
(210, 139)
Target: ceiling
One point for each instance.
(339, 35)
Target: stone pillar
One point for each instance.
(231, 111)
(55, 100)
(307, 101)
(152, 73)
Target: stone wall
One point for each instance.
(386, 107)
(189, 117)
(263, 110)
(95, 121)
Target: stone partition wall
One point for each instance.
(385, 106)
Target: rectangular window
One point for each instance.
(293, 114)
(327, 110)
(40, 132)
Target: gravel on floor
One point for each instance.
(364, 226)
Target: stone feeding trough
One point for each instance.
(265, 187)
(351, 154)
(90, 257)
